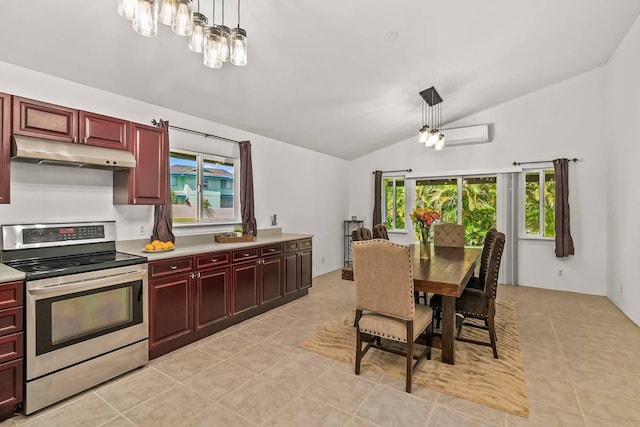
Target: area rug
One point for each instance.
(476, 376)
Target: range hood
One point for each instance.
(47, 152)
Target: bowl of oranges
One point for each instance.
(158, 246)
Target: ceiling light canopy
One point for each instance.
(429, 134)
(217, 43)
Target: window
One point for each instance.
(539, 203)
(197, 192)
(467, 200)
(393, 203)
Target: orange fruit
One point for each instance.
(148, 247)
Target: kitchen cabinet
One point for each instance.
(257, 276)
(297, 266)
(5, 148)
(188, 296)
(58, 123)
(146, 184)
(103, 131)
(195, 296)
(11, 348)
(44, 120)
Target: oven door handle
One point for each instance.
(87, 284)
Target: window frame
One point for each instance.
(201, 158)
(522, 203)
(383, 207)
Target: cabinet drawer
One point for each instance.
(11, 320)
(244, 254)
(305, 244)
(170, 267)
(212, 260)
(271, 249)
(11, 347)
(11, 295)
(291, 246)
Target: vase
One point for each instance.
(425, 246)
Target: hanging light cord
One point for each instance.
(238, 13)
(222, 12)
(198, 6)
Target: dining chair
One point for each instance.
(380, 232)
(448, 234)
(385, 309)
(361, 233)
(477, 303)
(477, 282)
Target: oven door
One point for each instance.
(74, 318)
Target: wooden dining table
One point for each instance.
(446, 273)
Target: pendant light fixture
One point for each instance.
(217, 43)
(126, 8)
(212, 43)
(430, 134)
(182, 24)
(196, 42)
(168, 12)
(145, 19)
(225, 34)
(238, 44)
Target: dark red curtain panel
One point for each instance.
(249, 225)
(163, 214)
(564, 241)
(377, 199)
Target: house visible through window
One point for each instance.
(393, 203)
(203, 188)
(539, 203)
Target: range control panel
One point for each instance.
(60, 234)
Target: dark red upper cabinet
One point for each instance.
(5, 147)
(147, 183)
(40, 119)
(103, 131)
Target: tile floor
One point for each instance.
(580, 355)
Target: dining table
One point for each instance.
(445, 273)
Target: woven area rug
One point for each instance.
(476, 376)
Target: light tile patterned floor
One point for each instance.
(580, 355)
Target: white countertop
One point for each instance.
(8, 274)
(199, 244)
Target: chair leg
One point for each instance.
(492, 327)
(358, 342)
(409, 353)
(430, 339)
(459, 323)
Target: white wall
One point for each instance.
(562, 120)
(303, 187)
(623, 199)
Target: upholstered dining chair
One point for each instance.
(360, 234)
(383, 276)
(477, 282)
(380, 232)
(448, 234)
(480, 304)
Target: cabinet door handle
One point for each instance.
(214, 259)
(198, 274)
(245, 254)
(173, 267)
(193, 275)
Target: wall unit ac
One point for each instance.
(478, 134)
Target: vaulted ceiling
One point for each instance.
(321, 74)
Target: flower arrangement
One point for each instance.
(422, 218)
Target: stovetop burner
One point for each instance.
(50, 267)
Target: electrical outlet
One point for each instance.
(141, 230)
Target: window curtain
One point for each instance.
(249, 225)
(163, 214)
(377, 199)
(564, 241)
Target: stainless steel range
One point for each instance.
(86, 307)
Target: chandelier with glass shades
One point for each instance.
(429, 134)
(217, 43)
